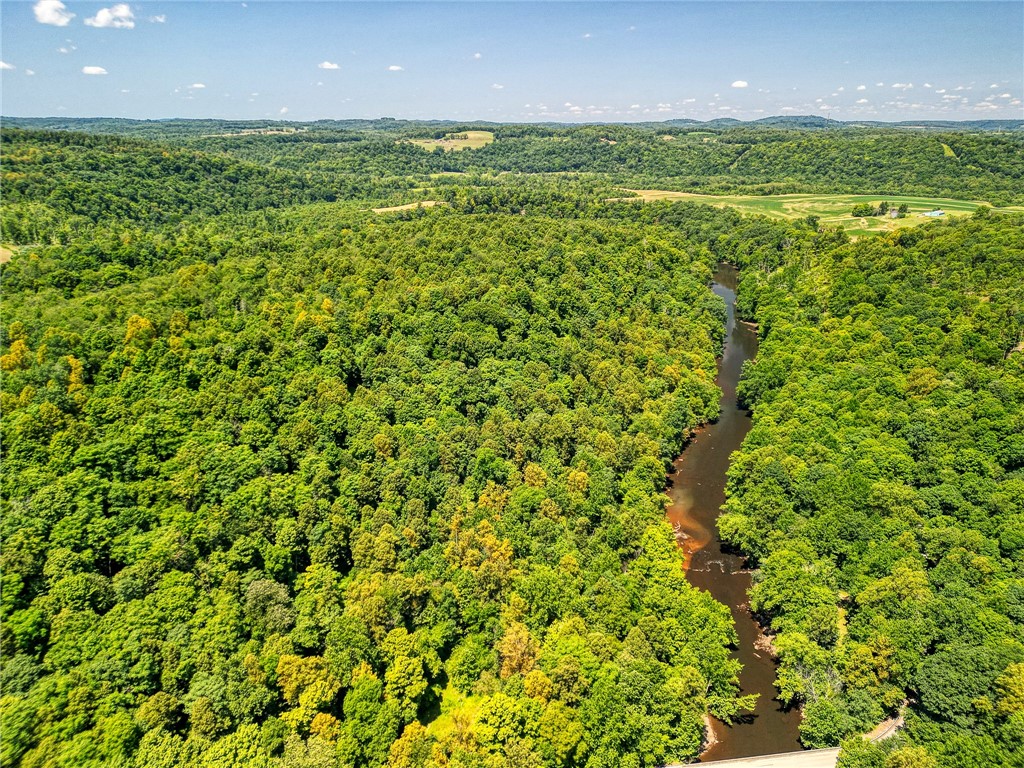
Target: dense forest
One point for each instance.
(376, 475)
(290, 483)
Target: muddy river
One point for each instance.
(697, 492)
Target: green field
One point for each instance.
(456, 142)
(830, 209)
(408, 206)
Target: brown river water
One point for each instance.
(697, 492)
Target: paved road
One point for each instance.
(811, 758)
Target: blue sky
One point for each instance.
(525, 61)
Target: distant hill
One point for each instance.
(181, 127)
(59, 176)
(799, 121)
(337, 159)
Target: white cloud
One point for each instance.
(586, 36)
(30, 72)
(739, 84)
(198, 85)
(841, 88)
(328, 65)
(927, 85)
(395, 68)
(862, 101)
(994, 85)
(903, 86)
(497, 86)
(940, 90)
(1004, 95)
(5, 65)
(67, 48)
(880, 85)
(159, 19)
(862, 87)
(52, 12)
(478, 56)
(118, 16)
(284, 111)
(93, 71)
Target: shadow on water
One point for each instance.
(697, 493)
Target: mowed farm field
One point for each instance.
(408, 206)
(830, 209)
(455, 142)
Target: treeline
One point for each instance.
(882, 209)
(386, 494)
(881, 490)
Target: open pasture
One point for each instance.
(456, 142)
(408, 206)
(833, 210)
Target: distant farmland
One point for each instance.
(830, 209)
(408, 206)
(456, 142)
